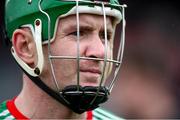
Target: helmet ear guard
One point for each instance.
(36, 71)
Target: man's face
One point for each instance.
(91, 44)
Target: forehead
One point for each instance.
(86, 19)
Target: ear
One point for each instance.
(24, 46)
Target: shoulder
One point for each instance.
(4, 112)
(102, 114)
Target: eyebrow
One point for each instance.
(88, 28)
(81, 27)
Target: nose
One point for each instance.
(95, 47)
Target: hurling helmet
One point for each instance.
(42, 16)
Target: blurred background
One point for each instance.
(149, 80)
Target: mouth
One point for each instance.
(92, 71)
(91, 76)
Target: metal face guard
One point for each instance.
(76, 97)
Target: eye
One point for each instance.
(81, 33)
(102, 36)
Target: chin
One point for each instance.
(89, 80)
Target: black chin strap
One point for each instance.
(45, 88)
(77, 98)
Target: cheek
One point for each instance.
(65, 71)
(109, 52)
(64, 68)
(64, 49)
(109, 65)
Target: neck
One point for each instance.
(35, 103)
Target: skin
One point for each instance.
(35, 103)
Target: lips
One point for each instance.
(91, 70)
(90, 76)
